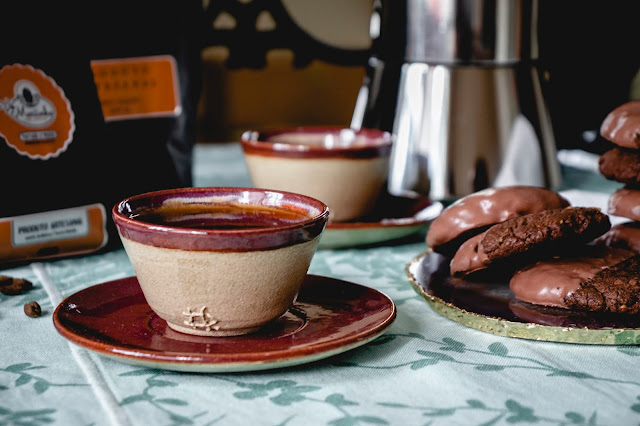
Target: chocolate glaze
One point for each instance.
(621, 165)
(548, 282)
(490, 296)
(625, 202)
(470, 257)
(622, 125)
(623, 235)
(561, 317)
(485, 208)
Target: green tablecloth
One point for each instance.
(425, 370)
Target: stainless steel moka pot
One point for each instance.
(457, 83)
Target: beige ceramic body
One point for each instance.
(349, 186)
(223, 293)
(220, 261)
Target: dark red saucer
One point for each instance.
(331, 316)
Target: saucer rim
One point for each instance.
(395, 229)
(393, 222)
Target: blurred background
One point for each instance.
(277, 63)
(260, 64)
(273, 63)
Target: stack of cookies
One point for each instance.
(542, 245)
(621, 164)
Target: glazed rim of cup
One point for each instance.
(315, 215)
(371, 143)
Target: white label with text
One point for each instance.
(51, 226)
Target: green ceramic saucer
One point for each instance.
(392, 219)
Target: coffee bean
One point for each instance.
(12, 286)
(32, 309)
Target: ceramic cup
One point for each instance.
(345, 168)
(220, 261)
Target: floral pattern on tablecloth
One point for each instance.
(425, 370)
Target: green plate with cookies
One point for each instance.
(521, 261)
(490, 306)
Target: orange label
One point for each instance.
(54, 233)
(35, 115)
(131, 88)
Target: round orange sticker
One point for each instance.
(35, 115)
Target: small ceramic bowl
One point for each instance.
(345, 168)
(220, 261)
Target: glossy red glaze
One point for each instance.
(285, 219)
(372, 143)
(114, 319)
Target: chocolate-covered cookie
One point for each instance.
(469, 257)
(622, 125)
(544, 230)
(623, 235)
(475, 213)
(615, 289)
(625, 202)
(528, 238)
(551, 282)
(621, 165)
(572, 318)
